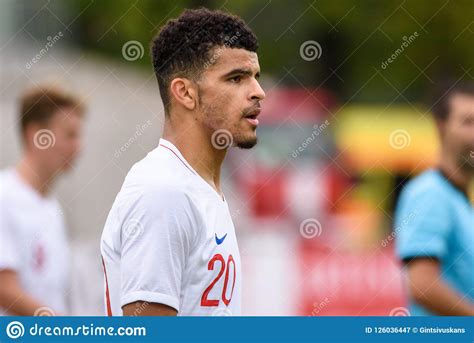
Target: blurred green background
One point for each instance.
(356, 37)
(380, 132)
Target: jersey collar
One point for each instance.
(170, 146)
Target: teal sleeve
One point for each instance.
(422, 225)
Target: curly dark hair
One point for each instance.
(184, 46)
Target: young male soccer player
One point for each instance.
(435, 219)
(34, 263)
(169, 245)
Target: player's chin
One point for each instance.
(246, 142)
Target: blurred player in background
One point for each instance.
(34, 253)
(169, 245)
(435, 219)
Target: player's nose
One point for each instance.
(257, 91)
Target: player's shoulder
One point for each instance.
(5, 180)
(9, 191)
(427, 184)
(15, 196)
(158, 168)
(5, 193)
(160, 175)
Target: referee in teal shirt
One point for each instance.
(434, 219)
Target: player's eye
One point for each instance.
(236, 79)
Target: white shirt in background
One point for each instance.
(33, 243)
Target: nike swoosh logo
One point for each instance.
(220, 240)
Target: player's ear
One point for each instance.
(184, 92)
(29, 134)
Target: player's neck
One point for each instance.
(35, 175)
(196, 147)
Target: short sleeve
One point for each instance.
(422, 225)
(10, 240)
(157, 234)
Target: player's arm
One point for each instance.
(429, 290)
(13, 298)
(153, 260)
(142, 308)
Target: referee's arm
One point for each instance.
(429, 290)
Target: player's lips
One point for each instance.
(252, 115)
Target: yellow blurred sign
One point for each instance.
(395, 138)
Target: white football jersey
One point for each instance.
(33, 243)
(169, 239)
